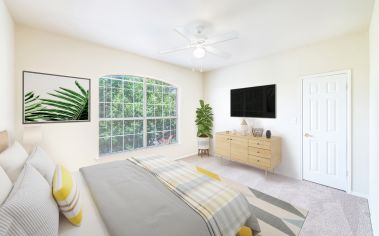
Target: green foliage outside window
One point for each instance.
(129, 103)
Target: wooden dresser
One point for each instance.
(260, 152)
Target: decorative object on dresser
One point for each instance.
(255, 151)
(268, 134)
(244, 127)
(204, 123)
(257, 132)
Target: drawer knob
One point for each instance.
(258, 152)
(257, 143)
(257, 160)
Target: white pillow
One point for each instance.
(12, 160)
(5, 186)
(30, 208)
(41, 162)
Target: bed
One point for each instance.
(167, 213)
(93, 221)
(272, 216)
(153, 195)
(130, 198)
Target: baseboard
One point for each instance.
(185, 156)
(362, 195)
(374, 225)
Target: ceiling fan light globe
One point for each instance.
(199, 52)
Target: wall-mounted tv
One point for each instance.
(257, 102)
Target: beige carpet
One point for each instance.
(331, 212)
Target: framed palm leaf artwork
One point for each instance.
(49, 98)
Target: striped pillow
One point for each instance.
(30, 209)
(66, 194)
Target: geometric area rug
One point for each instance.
(275, 217)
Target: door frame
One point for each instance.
(346, 72)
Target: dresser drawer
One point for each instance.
(265, 153)
(259, 161)
(259, 143)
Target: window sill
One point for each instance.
(118, 155)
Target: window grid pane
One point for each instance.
(128, 117)
(161, 131)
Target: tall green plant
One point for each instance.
(204, 120)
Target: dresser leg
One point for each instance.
(266, 172)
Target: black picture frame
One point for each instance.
(53, 76)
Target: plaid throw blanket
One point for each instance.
(224, 210)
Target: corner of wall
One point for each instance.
(203, 85)
(7, 70)
(374, 119)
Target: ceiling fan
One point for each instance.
(198, 40)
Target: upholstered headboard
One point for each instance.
(4, 140)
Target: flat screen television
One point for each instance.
(257, 102)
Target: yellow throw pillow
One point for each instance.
(66, 194)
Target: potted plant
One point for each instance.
(204, 123)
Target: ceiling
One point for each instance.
(145, 27)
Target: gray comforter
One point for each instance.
(133, 202)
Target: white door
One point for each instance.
(325, 130)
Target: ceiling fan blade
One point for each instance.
(216, 52)
(185, 34)
(175, 50)
(221, 38)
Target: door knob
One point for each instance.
(307, 135)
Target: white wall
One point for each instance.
(76, 144)
(374, 119)
(6, 70)
(285, 70)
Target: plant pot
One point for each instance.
(203, 142)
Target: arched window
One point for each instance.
(135, 112)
